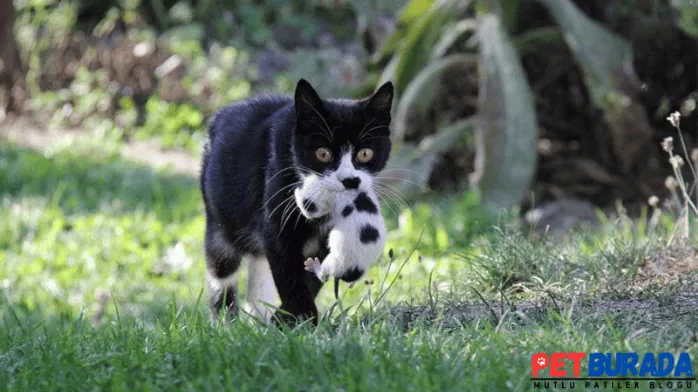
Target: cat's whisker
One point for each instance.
(279, 172)
(387, 201)
(281, 204)
(279, 191)
(389, 197)
(288, 212)
(393, 170)
(322, 132)
(327, 126)
(396, 192)
(301, 169)
(401, 169)
(368, 132)
(387, 194)
(421, 186)
(308, 170)
(369, 138)
(285, 212)
(366, 126)
(291, 208)
(395, 195)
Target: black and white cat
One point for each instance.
(258, 152)
(358, 233)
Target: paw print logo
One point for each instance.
(541, 361)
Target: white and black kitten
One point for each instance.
(358, 233)
(258, 152)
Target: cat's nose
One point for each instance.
(351, 275)
(351, 182)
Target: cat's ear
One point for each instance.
(307, 101)
(382, 100)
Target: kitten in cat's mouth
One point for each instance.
(357, 235)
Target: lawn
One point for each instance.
(102, 275)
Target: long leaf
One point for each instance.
(688, 16)
(419, 94)
(507, 128)
(413, 10)
(606, 61)
(419, 41)
(599, 52)
(451, 35)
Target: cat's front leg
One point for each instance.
(297, 300)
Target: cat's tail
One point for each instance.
(211, 125)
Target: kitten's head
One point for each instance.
(342, 144)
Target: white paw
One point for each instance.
(312, 264)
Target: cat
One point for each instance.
(257, 152)
(358, 233)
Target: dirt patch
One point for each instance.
(665, 288)
(31, 135)
(649, 310)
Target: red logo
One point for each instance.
(556, 363)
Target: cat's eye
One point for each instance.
(323, 155)
(364, 155)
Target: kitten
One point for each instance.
(258, 151)
(358, 232)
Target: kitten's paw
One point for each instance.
(308, 263)
(312, 265)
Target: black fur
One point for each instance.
(347, 210)
(352, 275)
(368, 234)
(310, 206)
(363, 203)
(247, 173)
(351, 183)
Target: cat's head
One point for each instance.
(342, 143)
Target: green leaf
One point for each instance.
(451, 35)
(688, 16)
(509, 12)
(606, 61)
(599, 52)
(419, 94)
(413, 10)
(507, 128)
(420, 40)
(532, 40)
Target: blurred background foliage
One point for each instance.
(559, 105)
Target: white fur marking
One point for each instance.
(261, 291)
(227, 282)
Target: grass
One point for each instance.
(101, 276)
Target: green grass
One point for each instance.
(101, 276)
